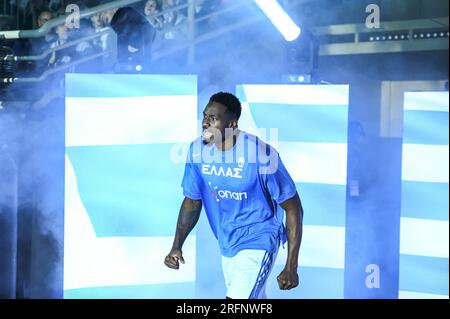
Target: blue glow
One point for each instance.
(122, 186)
(312, 140)
(424, 274)
(119, 187)
(280, 19)
(424, 210)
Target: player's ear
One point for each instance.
(233, 124)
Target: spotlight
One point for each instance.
(280, 19)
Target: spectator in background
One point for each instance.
(152, 11)
(64, 55)
(85, 48)
(97, 22)
(175, 26)
(98, 26)
(40, 45)
(100, 22)
(135, 36)
(107, 16)
(44, 17)
(170, 15)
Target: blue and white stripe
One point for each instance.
(121, 198)
(312, 142)
(261, 280)
(424, 230)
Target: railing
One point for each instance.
(188, 43)
(49, 25)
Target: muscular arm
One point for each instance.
(187, 219)
(288, 278)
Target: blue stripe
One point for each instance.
(262, 276)
(159, 291)
(129, 190)
(424, 274)
(259, 278)
(425, 200)
(128, 85)
(303, 123)
(425, 127)
(315, 283)
(323, 204)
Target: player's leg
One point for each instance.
(246, 273)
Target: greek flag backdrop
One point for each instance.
(122, 190)
(311, 137)
(424, 226)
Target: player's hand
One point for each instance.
(287, 279)
(173, 258)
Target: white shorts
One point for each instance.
(246, 273)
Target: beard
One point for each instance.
(207, 137)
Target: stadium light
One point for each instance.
(280, 19)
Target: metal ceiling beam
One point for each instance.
(410, 27)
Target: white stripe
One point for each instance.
(424, 237)
(298, 94)
(112, 261)
(402, 294)
(322, 246)
(130, 120)
(426, 101)
(425, 163)
(324, 163)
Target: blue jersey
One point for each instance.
(240, 189)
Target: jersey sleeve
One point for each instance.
(191, 179)
(278, 182)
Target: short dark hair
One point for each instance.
(228, 100)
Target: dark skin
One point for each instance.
(216, 118)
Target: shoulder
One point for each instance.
(256, 142)
(195, 143)
(194, 148)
